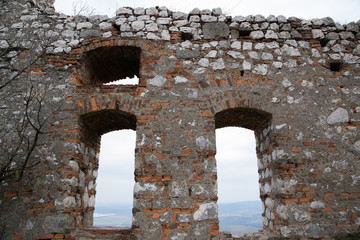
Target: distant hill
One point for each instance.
(237, 218)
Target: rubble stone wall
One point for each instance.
(294, 82)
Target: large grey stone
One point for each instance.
(340, 115)
(187, 54)
(215, 30)
(90, 33)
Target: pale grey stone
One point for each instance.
(272, 45)
(3, 44)
(163, 21)
(163, 13)
(139, 11)
(317, 33)
(157, 81)
(138, 25)
(277, 65)
(315, 53)
(83, 25)
(291, 51)
(152, 27)
(352, 27)
(68, 33)
(335, 56)
(260, 69)
(17, 25)
(152, 36)
(347, 35)
(107, 34)
(216, 11)
(180, 23)
(179, 15)
(122, 11)
(239, 19)
(218, 64)
(127, 34)
(211, 54)
(284, 35)
(235, 54)
(236, 45)
(194, 18)
(286, 83)
(105, 25)
(274, 26)
(165, 35)
(332, 36)
(187, 30)
(281, 19)
(257, 35)
(125, 27)
(195, 11)
(259, 18)
(351, 59)
(208, 18)
(259, 46)
(224, 44)
(253, 55)
(179, 79)
(246, 66)
(247, 46)
(143, 18)
(291, 42)
(28, 17)
(204, 62)
(206, 211)
(151, 11)
(186, 44)
(267, 56)
(270, 34)
(338, 48)
(340, 115)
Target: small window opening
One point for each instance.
(109, 64)
(239, 203)
(335, 66)
(186, 36)
(323, 42)
(115, 181)
(244, 32)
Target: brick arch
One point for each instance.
(236, 112)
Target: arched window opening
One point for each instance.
(109, 64)
(115, 180)
(239, 203)
(93, 126)
(260, 123)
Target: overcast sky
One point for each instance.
(236, 158)
(342, 11)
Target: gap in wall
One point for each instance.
(115, 181)
(125, 81)
(240, 207)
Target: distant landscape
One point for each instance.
(237, 218)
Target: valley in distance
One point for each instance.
(238, 218)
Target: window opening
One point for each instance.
(115, 181)
(108, 64)
(239, 203)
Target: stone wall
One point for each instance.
(295, 82)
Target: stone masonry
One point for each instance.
(294, 82)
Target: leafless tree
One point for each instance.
(25, 108)
(82, 8)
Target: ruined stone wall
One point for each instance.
(295, 82)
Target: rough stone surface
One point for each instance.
(294, 82)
